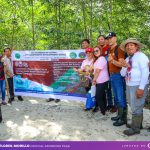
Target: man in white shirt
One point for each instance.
(9, 74)
(136, 72)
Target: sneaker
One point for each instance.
(4, 103)
(108, 108)
(96, 109)
(20, 98)
(87, 109)
(50, 100)
(57, 100)
(103, 113)
(10, 100)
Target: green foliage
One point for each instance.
(62, 24)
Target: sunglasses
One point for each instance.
(96, 51)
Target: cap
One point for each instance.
(90, 49)
(110, 34)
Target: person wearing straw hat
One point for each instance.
(136, 71)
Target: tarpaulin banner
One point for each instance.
(48, 74)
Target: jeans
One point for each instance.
(2, 88)
(109, 95)
(118, 87)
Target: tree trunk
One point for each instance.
(59, 25)
(91, 19)
(33, 30)
(84, 18)
(111, 17)
(13, 32)
(13, 26)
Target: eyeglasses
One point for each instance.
(96, 51)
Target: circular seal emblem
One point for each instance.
(73, 55)
(82, 55)
(17, 56)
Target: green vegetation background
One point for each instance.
(62, 24)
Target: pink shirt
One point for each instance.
(101, 64)
(86, 62)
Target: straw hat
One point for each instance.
(130, 40)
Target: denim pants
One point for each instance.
(109, 94)
(136, 105)
(2, 88)
(118, 87)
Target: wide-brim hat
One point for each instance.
(130, 40)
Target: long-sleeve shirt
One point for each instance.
(139, 72)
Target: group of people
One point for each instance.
(120, 74)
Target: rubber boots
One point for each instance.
(123, 117)
(135, 126)
(129, 125)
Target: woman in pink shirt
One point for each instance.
(100, 79)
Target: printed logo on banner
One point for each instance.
(73, 55)
(21, 64)
(17, 56)
(82, 55)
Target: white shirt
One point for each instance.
(8, 64)
(139, 71)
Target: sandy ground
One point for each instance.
(37, 120)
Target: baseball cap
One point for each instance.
(110, 34)
(90, 49)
